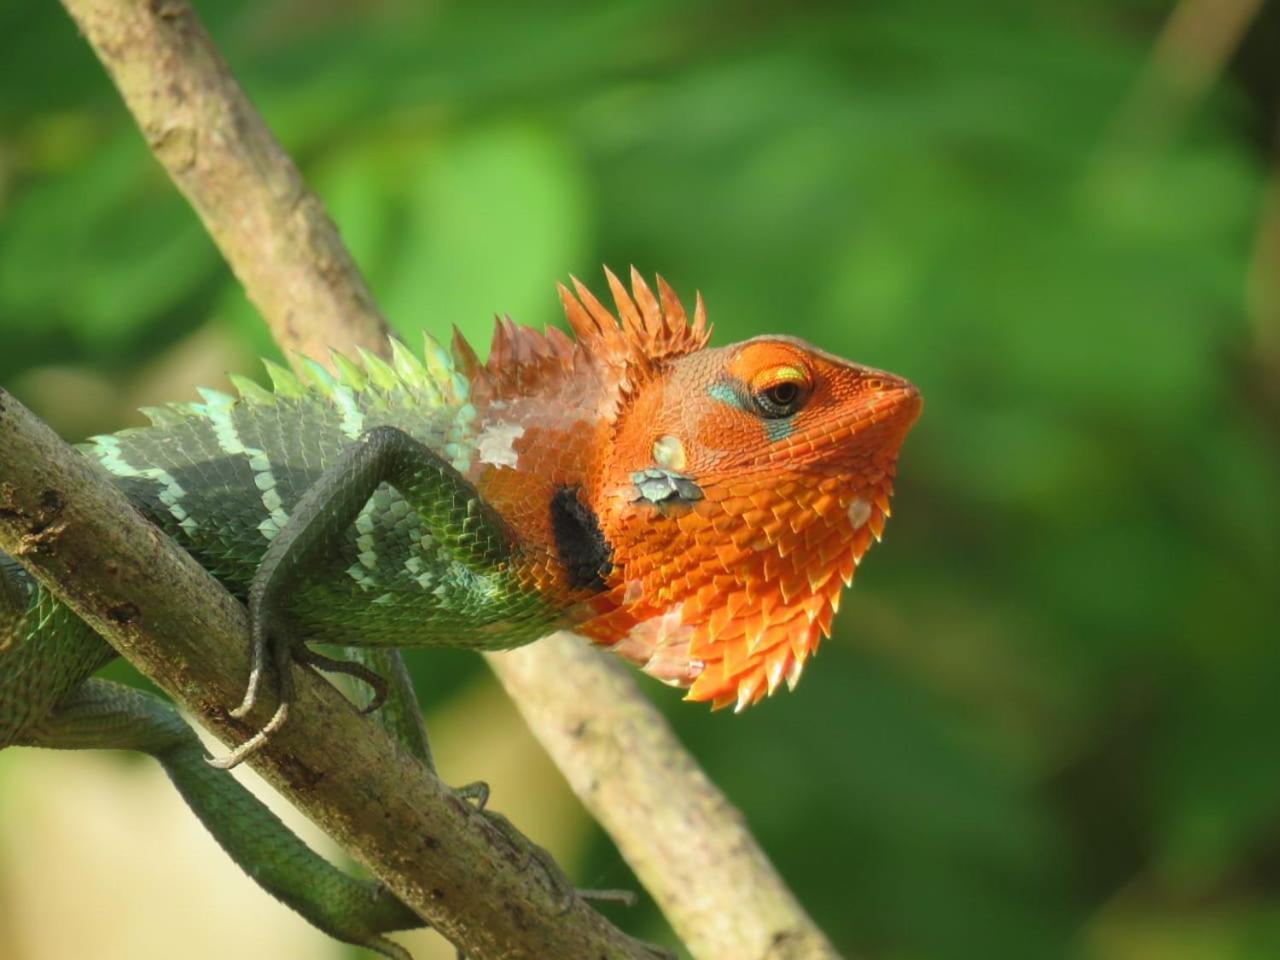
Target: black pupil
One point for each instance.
(783, 394)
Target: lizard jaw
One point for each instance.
(763, 606)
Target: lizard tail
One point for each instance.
(45, 651)
(15, 594)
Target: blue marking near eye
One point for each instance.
(725, 392)
(779, 429)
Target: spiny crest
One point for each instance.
(630, 346)
(429, 380)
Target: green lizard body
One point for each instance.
(222, 478)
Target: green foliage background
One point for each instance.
(1047, 725)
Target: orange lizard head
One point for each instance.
(730, 492)
(738, 491)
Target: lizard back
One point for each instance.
(222, 476)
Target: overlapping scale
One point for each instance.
(753, 608)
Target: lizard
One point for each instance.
(697, 510)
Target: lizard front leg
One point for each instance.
(450, 508)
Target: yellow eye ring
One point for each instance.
(780, 392)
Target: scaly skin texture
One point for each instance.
(697, 510)
(727, 523)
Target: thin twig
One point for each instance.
(1187, 58)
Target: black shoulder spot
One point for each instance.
(584, 553)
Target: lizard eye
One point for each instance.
(780, 392)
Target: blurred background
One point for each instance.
(1048, 724)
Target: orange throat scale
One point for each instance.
(707, 504)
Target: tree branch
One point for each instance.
(711, 878)
(1191, 51)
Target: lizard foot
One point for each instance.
(626, 898)
(561, 886)
(478, 793)
(283, 652)
(351, 668)
(255, 743)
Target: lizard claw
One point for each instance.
(282, 656)
(561, 886)
(254, 743)
(351, 668)
(250, 698)
(262, 641)
(626, 898)
(477, 792)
